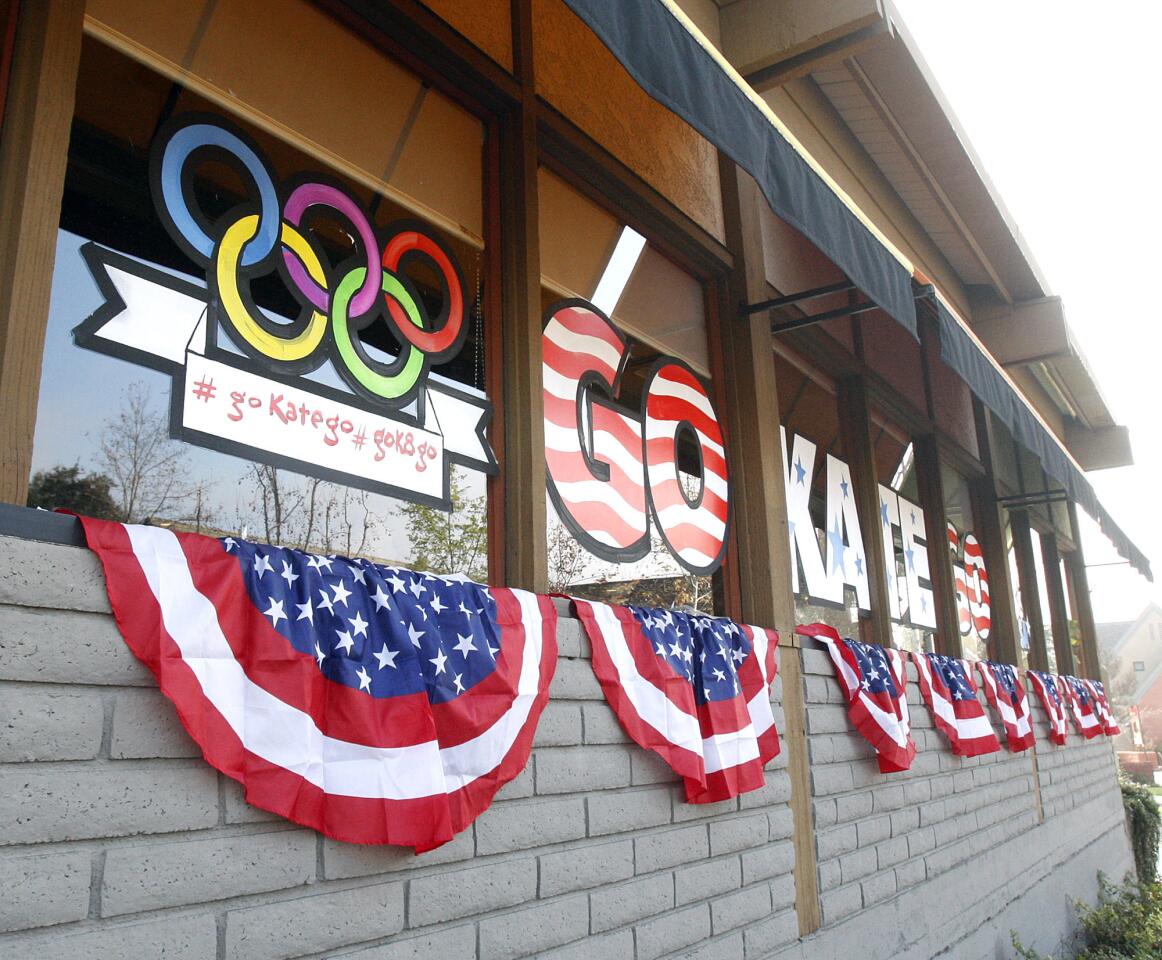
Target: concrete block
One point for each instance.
(769, 860)
(780, 823)
(601, 724)
(628, 810)
(891, 852)
(888, 797)
(145, 724)
(911, 874)
(673, 931)
(344, 860)
(626, 903)
(857, 865)
(873, 830)
(853, 806)
(155, 875)
(612, 946)
(832, 778)
(452, 943)
(37, 574)
(44, 888)
(60, 646)
(738, 833)
(322, 921)
(837, 841)
(647, 767)
(879, 887)
(830, 875)
(574, 680)
(826, 813)
(559, 726)
(76, 801)
(522, 785)
(776, 790)
(537, 928)
(584, 867)
(728, 947)
(905, 820)
(171, 938)
(685, 812)
(701, 880)
(521, 824)
(572, 641)
(465, 893)
(841, 902)
(581, 769)
(660, 851)
(921, 841)
(767, 935)
(39, 722)
(740, 907)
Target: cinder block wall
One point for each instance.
(117, 840)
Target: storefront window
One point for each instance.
(829, 570)
(1024, 629)
(638, 482)
(268, 310)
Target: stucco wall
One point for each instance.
(119, 841)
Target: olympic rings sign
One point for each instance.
(393, 429)
(266, 234)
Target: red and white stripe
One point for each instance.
(401, 771)
(1017, 717)
(963, 722)
(882, 720)
(719, 748)
(977, 587)
(578, 343)
(695, 533)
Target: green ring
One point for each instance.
(389, 387)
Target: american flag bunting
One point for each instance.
(1105, 712)
(696, 690)
(874, 680)
(949, 690)
(1006, 695)
(1048, 692)
(1081, 705)
(370, 703)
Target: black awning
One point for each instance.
(964, 355)
(670, 64)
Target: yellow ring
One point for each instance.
(269, 344)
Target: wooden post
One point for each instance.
(759, 504)
(1030, 594)
(1090, 665)
(931, 487)
(37, 119)
(525, 545)
(1058, 614)
(855, 426)
(1004, 637)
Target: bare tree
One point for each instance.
(149, 470)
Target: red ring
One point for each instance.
(429, 341)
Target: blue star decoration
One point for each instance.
(384, 630)
(884, 514)
(838, 547)
(874, 667)
(800, 472)
(705, 651)
(844, 486)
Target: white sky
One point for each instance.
(1059, 100)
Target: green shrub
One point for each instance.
(1144, 822)
(1126, 924)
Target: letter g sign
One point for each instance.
(610, 469)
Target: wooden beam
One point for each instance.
(758, 499)
(33, 154)
(855, 429)
(1090, 665)
(1058, 612)
(931, 487)
(1030, 593)
(525, 543)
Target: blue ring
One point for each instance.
(178, 150)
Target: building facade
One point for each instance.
(765, 201)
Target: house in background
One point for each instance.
(1132, 653)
